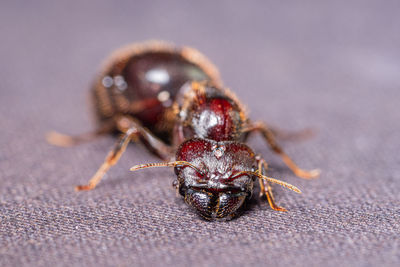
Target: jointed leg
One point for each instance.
(111, 159)
(163, 150)
(270, 138)
(132, 130)
(284, 135)
(63, 140)
(265, 188)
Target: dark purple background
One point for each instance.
(333, 66)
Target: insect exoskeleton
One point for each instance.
(172, 100)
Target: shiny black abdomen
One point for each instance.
(143, 81)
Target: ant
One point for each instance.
(172, 100)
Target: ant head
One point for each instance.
(216, 184)
(215, 178)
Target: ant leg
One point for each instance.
(132, 130)
(269, 136)
(164, 151)
(265, 188)
(63, 140)
(295, 136)
(111, 159)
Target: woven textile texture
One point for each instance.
(332, 66)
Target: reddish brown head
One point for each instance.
(216, 186)
(215, 178)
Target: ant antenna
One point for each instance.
(269, 179)
(188, 164)
(166, 164)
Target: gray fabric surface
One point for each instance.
(330, 66)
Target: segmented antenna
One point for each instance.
(166, 164)
(269, 179)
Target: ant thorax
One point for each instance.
(211, 113)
